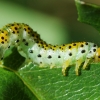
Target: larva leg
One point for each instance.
(27, 61)
(41, 65)
(52, 66)
(65, 67)
(86, 63)
(78, 64)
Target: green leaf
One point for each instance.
(50, 83)
(88, 13)
(12, 87)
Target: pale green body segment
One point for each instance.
(75, 53)
(33, 48)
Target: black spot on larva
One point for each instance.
(28, 32)
(24, 40)
(51, 63)
(63, 44)
(17, 41)
(86, 43)
(81, 45)
(74, 44)
(69, 47)
(90, 52)
(37, 41)
(16, 28)
(41, 42)
(39, 45)
(33, 34)
(37, 36)
(88, 58)
(5, 39)
(59, 47)
(26, 43)
(94, 50)
(39, 55)
(40, 62)
(99, 56)
(2, 31)
(2, 42)
(29, 28)
(31, 51)
(70, 54)
(13, 32)
(46, 45)
(94, 45)
(25, 29)
(12, 24)
(83, 51)
(17, 31)
(49, 56)
(59, 56)
(44, 48)
(2, 37)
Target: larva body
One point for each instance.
(31, 46)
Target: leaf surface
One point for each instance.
(88, 13)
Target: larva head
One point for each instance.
(97, 55)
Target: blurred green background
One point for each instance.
(55, 20)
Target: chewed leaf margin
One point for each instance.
(88, 13)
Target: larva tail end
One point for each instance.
(97, 55)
